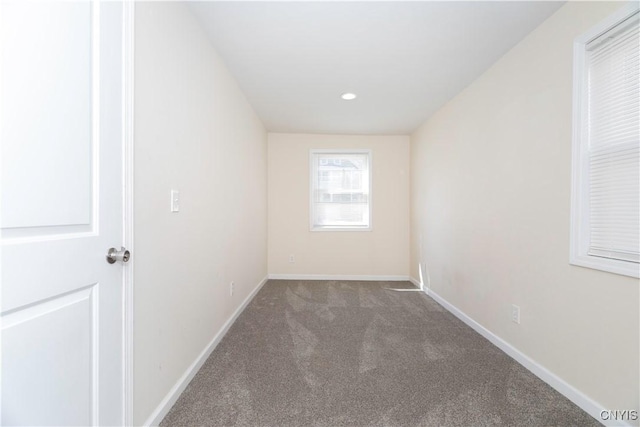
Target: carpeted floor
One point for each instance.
(325, 353)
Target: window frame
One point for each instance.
(579, 228)
(312, 181)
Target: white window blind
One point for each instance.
(613, 133)
(340, 190)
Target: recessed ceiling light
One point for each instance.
(348, 96)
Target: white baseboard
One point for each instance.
(337, 277)
(587, 404)
(417, 283)
(170, 399)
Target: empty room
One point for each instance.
(320, 213)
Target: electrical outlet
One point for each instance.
(515, 314)
(231, 288)
(292, 258)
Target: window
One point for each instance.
(605, 215)
(340, 190)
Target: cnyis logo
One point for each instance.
(619, 415)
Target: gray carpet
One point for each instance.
(323, 353)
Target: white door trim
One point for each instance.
(127, 179)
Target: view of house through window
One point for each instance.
(340, 189)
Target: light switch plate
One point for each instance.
(175, 201)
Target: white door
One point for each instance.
(61, 146)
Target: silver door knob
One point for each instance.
(118, 255)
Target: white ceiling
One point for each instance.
(404, 60)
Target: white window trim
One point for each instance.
(579, 186)
(313, 227)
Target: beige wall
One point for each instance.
(490, 217)
(194, 132)
(382, 251)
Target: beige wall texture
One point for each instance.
(196, 133)
(384, 251)
(490, 217)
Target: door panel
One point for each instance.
(43, 374)
(61, 158)
(49, 64)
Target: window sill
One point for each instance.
(624, 268)
(339, 228)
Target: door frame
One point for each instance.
(128, 44)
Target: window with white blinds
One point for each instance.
(340, 190)
(606, 212)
